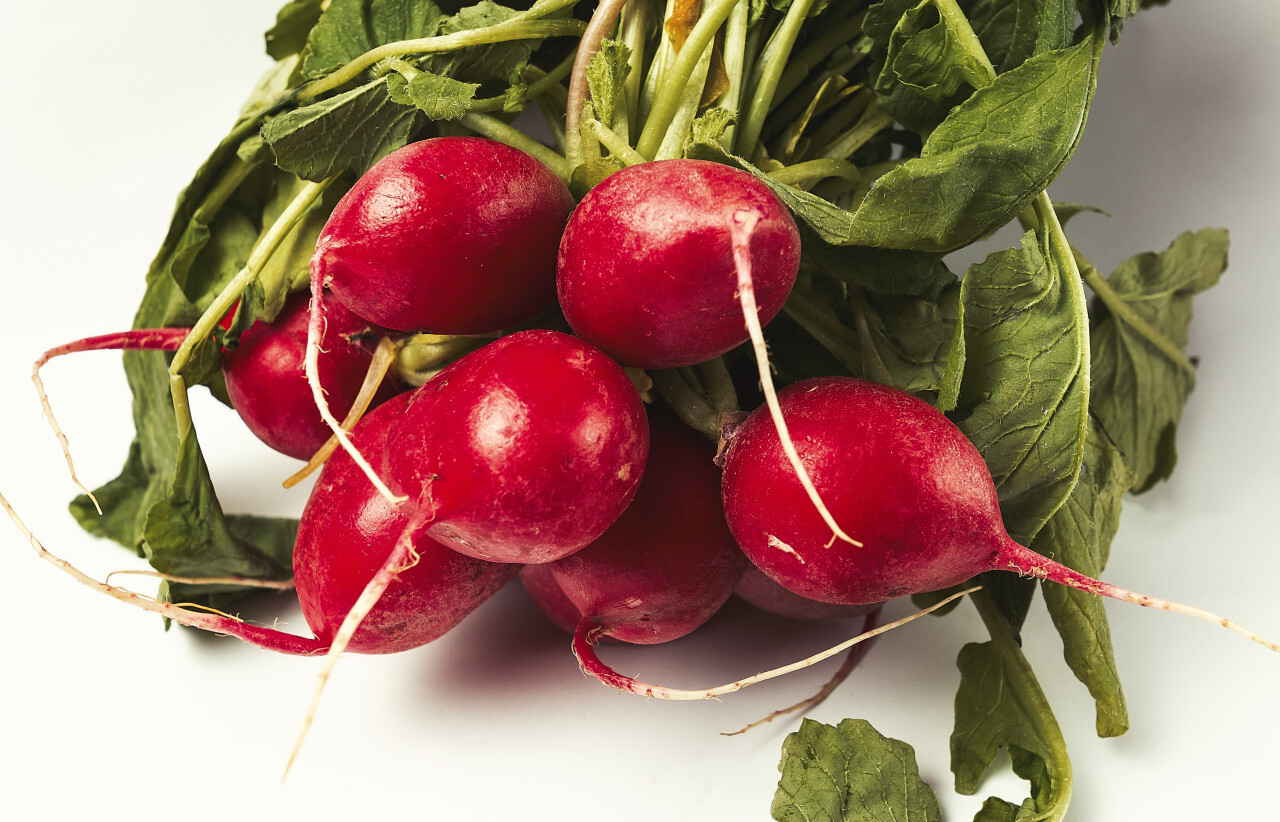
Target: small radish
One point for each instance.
(451, 235)
(668, 563)
(346, 532)
(646, 267)
(522, 451)
(897, 472)
(767, 595)
(267, 381)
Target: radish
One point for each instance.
(897, 472)
(667, 564)
(522, 451)
(267, 381)
(710, 251)
(646, 268)
(452, 235)
(765, 594)
(346, 532)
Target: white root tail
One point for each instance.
(743, 223)
(383, 357)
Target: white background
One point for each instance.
(108, 109)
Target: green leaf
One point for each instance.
(995, 709)
(440, 98)
(930, 55)
(120, 517)
(1012, 31)
(348, 132)
(185, 533)
(1139, 389)
(1079, 535)
(991, 156)
(294, 23)
(501, 62)
(1023, 398)
(850, 772)
(606, 77)
(349, 28)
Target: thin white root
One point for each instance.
(403, 557)
(842, 673)
(743, 223)
(315, 331)
(383, 357)
(712, 693)
(57, 430)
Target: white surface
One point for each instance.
(107, 113)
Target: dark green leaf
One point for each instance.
(1079, 536)
(850, 772)
(349, 28)
(502, 62)
(1139, 390)
(991, 156)
(1013, 31)
(993, 712)
(120, 519)
(1023, 393)
(930, 55)
(293, 24)
(348, 132)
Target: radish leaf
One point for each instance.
(850, 772)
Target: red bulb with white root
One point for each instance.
(895, 471)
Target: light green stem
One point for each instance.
(258, 257)
(517, 28)
(495, 129)
(818, 169)
(772, 65)
(613, 141)
(953, 17)
(671, 92)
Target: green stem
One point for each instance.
(613, 141)
(669, 96)
(258, 257)
(536, 88)
(690, 406)
(1032, 696)
(812, 55)
(719, 384)
(773, 63)
(495, 129)
(521, 28)
(735, 63)
(872, 123)
(811, 170)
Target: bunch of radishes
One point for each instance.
(493, 377)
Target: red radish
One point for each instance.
(267, 380)
(674, 262)
(540, 583)
(669, 562)
(894, 470)
(646, 268)
(452, 235)
(767, 595)
(345, 534)
(522, 451)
